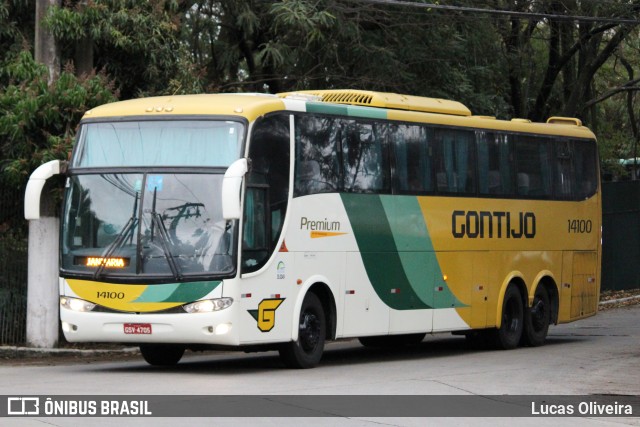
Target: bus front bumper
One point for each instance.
(188, 328)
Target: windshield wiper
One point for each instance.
(119, 240)
(164, 238)
(156, 219)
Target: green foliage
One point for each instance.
(496, 65)
(38, 121)
(137, 43)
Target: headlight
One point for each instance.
(208, 305)
(76, 304)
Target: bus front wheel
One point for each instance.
(162, 354)
(508, 335)
(306, 351)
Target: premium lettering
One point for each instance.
(321, 225)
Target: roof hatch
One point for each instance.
(385, 100)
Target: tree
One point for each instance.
(38, 120)
(137, 43)
(575, 50)
(46, 46)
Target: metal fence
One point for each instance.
(621, 235)
(13, 266)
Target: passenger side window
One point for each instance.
(564, 178)
(412, 146)
(317, 168)
(365, 157)
(495, 171)
(455, 162)
(533, 172)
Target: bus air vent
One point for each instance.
(564, 121)
(386, 100)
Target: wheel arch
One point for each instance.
(547, 280)
(322, 290)
(514, 279)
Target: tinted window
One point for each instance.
(455, 163)
(533, 168)
(586, 169)
(495, 174)
(412, 147)
(564, 182)
(267, 189)
(317, 146)
(364, 157)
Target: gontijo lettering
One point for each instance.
(481, 224)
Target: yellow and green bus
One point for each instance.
(261, 222)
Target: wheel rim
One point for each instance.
(309, 332)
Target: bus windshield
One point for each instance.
(163, 225)
(207, 143)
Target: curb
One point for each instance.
(25, 352)
(614, 301)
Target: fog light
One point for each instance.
(208, 305)
(223, 328)
(76, 304)
(68, 327)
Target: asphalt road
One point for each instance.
(599, 355)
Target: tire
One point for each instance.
(162, 354)
(508, 336)
(391, 341)
(537, 319)
(306, 351)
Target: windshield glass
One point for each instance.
(159, 143)
(166, 225)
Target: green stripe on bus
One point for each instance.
(416, 251)
(347, 110)
(177, 292)
(326, 108)
(192, 291)
(367, 112)
(379, 253)
(157, 293)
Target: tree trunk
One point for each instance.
(84, 56)
(47, 51)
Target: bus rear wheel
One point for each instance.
(537, 319)
(162, 354)
(306, 351)
(508, 335)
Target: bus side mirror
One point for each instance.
(231, 185)
(36, 183)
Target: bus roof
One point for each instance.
(352, 103)
(250, 106)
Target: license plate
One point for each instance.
(137, 328)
